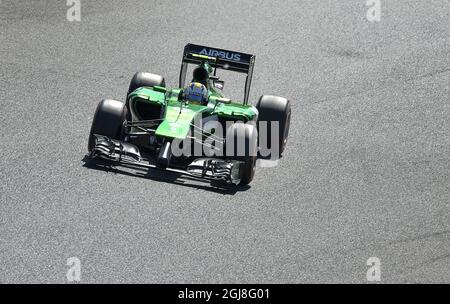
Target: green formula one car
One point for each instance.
(192, 130)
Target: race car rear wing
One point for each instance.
(218, 59)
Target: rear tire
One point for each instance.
(108, 120)
(273, 108)
(247, 134)
(143, 79)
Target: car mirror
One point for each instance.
(224, 100)
(219, 84)
(160, 89)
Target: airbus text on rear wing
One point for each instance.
(218, 59)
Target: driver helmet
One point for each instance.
(201, 74)
(196, 93)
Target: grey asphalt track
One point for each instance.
(366, 172)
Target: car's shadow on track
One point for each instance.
(165, 177)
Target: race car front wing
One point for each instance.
(128, 155)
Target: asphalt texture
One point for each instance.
(366, 172)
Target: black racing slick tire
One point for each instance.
(247, 171)
(273, 108)
(244, 148)
(108, 120)
(143, 79)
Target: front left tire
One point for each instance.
(244, 149)
(275, 109)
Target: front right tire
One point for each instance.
(108, 120)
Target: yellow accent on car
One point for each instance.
(204, 57)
